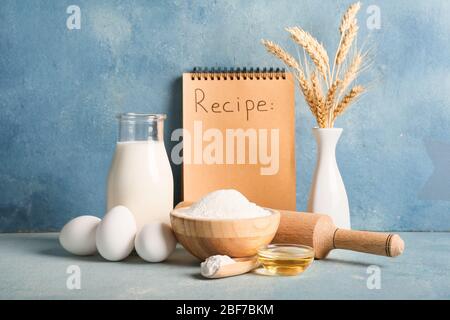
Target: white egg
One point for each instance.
(116, 233)
(155, 242)
(78, 235)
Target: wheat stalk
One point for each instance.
(349, 16)
(280, 53)
(326, 107)
(354, 93)
(315, 50)
(290, 61)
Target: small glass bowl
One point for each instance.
(285, 259)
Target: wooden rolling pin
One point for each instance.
(318, 231)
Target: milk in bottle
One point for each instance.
(140, 176)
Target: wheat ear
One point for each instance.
(281, 54)
(349, 17)
(354, 93)
(329, 102)
(352, 71)
(308, 93)
(319, 100)
(347, 41)
(316, 88)
(290, 61)
(315, 50)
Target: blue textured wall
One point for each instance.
(60, 90)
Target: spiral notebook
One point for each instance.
(239, 133)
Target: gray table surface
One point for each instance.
(34, 266)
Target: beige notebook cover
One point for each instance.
(239, 133)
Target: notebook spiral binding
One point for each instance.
(199, 73)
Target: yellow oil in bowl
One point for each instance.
(285, 259)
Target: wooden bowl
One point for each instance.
(236, 238)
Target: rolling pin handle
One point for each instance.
(383, 244)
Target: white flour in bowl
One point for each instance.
(225, 204)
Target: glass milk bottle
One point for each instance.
(140, 177)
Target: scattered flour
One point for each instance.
(225, 204)
(210, 266)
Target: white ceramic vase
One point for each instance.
(328, 193)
